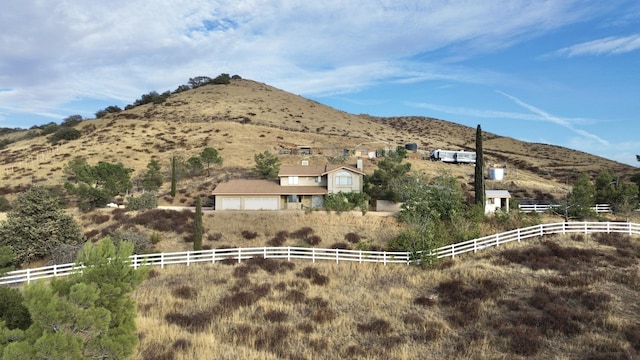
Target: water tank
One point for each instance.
(496, 173)
(411, 147)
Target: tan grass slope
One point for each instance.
(246, 117)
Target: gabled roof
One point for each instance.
(264, 187)
(497, 194)
(315, 170)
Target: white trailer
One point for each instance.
(453, 156)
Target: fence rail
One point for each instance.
(540, 208)
(337, 255)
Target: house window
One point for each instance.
(292, 198)
(343, 178)
(293, 180)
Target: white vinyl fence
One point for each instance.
(337, 255)
(540, 208)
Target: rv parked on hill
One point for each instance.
(453, 156)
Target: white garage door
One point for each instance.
(231, 204)
(261, 203)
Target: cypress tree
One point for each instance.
(174, 175)
(197, 221)
(479, 173)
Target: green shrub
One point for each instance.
(147, 200)
(64, 133)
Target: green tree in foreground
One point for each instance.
(436, 213)
(89, 315)
(37, 224)
(267, 165)
(197, 222)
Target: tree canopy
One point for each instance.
(378, 185)
(267, 165)
(88, 315)
(37, 224)
(210, 156)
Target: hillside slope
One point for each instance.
(246, 117)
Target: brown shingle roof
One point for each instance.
(264, 187)
(314, 170)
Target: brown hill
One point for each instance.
(246, 117)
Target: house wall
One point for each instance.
(304, 181)
(356, 183)
(493, 204)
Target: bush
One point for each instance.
(352, 238)
(148, 200)
(249, 235)
(64, 133)
(141, 243)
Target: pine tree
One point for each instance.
(479, 173)
(152, 179)
(197, 221)
(89, 315)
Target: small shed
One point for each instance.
(496, 199)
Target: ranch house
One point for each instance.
(297, 187)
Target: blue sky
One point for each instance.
(560, 72)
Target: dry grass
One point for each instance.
(497, 305)
(246, 117)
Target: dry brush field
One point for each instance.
(560, 297)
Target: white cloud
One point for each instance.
(606, 46)
(56, 52)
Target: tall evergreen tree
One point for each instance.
(479, 173)
(174, 176)
(152, 179)
(197, 221)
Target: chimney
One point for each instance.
(359, 164)
(305, 162)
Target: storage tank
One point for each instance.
(496, 173)
(411, 147)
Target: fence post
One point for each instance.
(135, 262)
(360, 257)
(239, 255)
(28, 276)
(384, 258)
(264, 252)
(337, 256)
(288, 253)
(313, 255)
(213, 256)
(518, 234)
(161, 260)
(188, 252)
